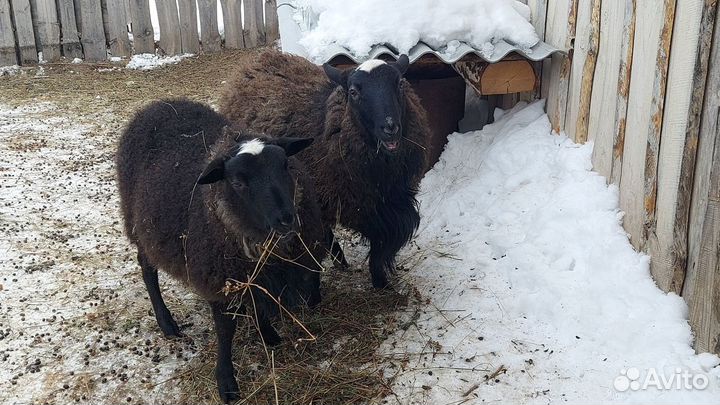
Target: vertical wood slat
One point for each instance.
(117, 34)
(170, 40)
(644, 115)
(232, 20)
(559, 32)
(209, 33)
(623, 90)
(661, 237)
(702, 279)
(272, 27)
(7, 36)
(24, 31)
(254, 28)
(142, 29)
(69, 38)
(47, 28)
(538, 15)
(188, 26)
(583, 69)
(92, 32)
(604, 97)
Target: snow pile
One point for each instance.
(11, 70)
(148, 61)
(534, 294)
(358, 25)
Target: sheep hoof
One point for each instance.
(169, 327)
(380, 282)
(228, 389)
(270, 336)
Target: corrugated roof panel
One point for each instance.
(449, 54)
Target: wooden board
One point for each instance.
(587, 36)
(559, 32)
(142, 29)
(170, 42)
(188, 26)
(696, 290)
(209, 34)
(7, 37)
(69, 38)
(232, 19)
(253, 25)
(92, 31)
(604, 98)
(22, 17)
(661, 237)
(644, 115)
(117, 33)
(272, 27)
(47, 28)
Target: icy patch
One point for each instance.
(77, 61)
(531, 291)
(148, 61)
(359, 25)
(9, 70)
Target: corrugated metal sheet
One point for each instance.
(449, 54)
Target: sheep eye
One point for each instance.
(354, 93)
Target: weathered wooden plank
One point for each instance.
(538, 13)
(683, 258)
(209, 34)
(7, 36)
(69, 37)
(559, 32)
(623, 91)
(272, 27)
(47, 28)
(232, 20)
(504, 77)
(188, 26)
(116, 28)
(22, 17)
(583, 69)
(253, 26)
(644, 116)
(698, 287)
(661, 236)
(604, 97)
(92, 33)
(142, 29)
(170, 39)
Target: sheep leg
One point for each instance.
(378, 264)
(336, 253)
(224, 372)
(162, 313)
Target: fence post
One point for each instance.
(7, 37)
(253, 25)
(117, 34)
(232, 19)
(142, 29)
(170, 41)
(209, 34)
(24, 31)
(69, 39)
(188, 26)
(272, 28)
(47, 28)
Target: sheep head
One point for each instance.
(375, 95)
(256, 191)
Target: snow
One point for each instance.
(9, 70)
(148, 61)
(525, 266)
(360, 25)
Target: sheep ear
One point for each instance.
(402, 64)
(337, 76)
(293, 145)
(214, 172)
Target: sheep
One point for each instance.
(198, 199)
(370, 130)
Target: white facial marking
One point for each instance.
(253, 147)
(371, 64)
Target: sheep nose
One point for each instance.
(287, 219)
(391, 129)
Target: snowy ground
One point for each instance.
(533, 292)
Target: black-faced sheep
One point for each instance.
(370, 132)
(199, 199)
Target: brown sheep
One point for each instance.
(370, 132)
(199, 199)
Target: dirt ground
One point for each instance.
(75, 321)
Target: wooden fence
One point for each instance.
(96, 29)
(641, 79)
